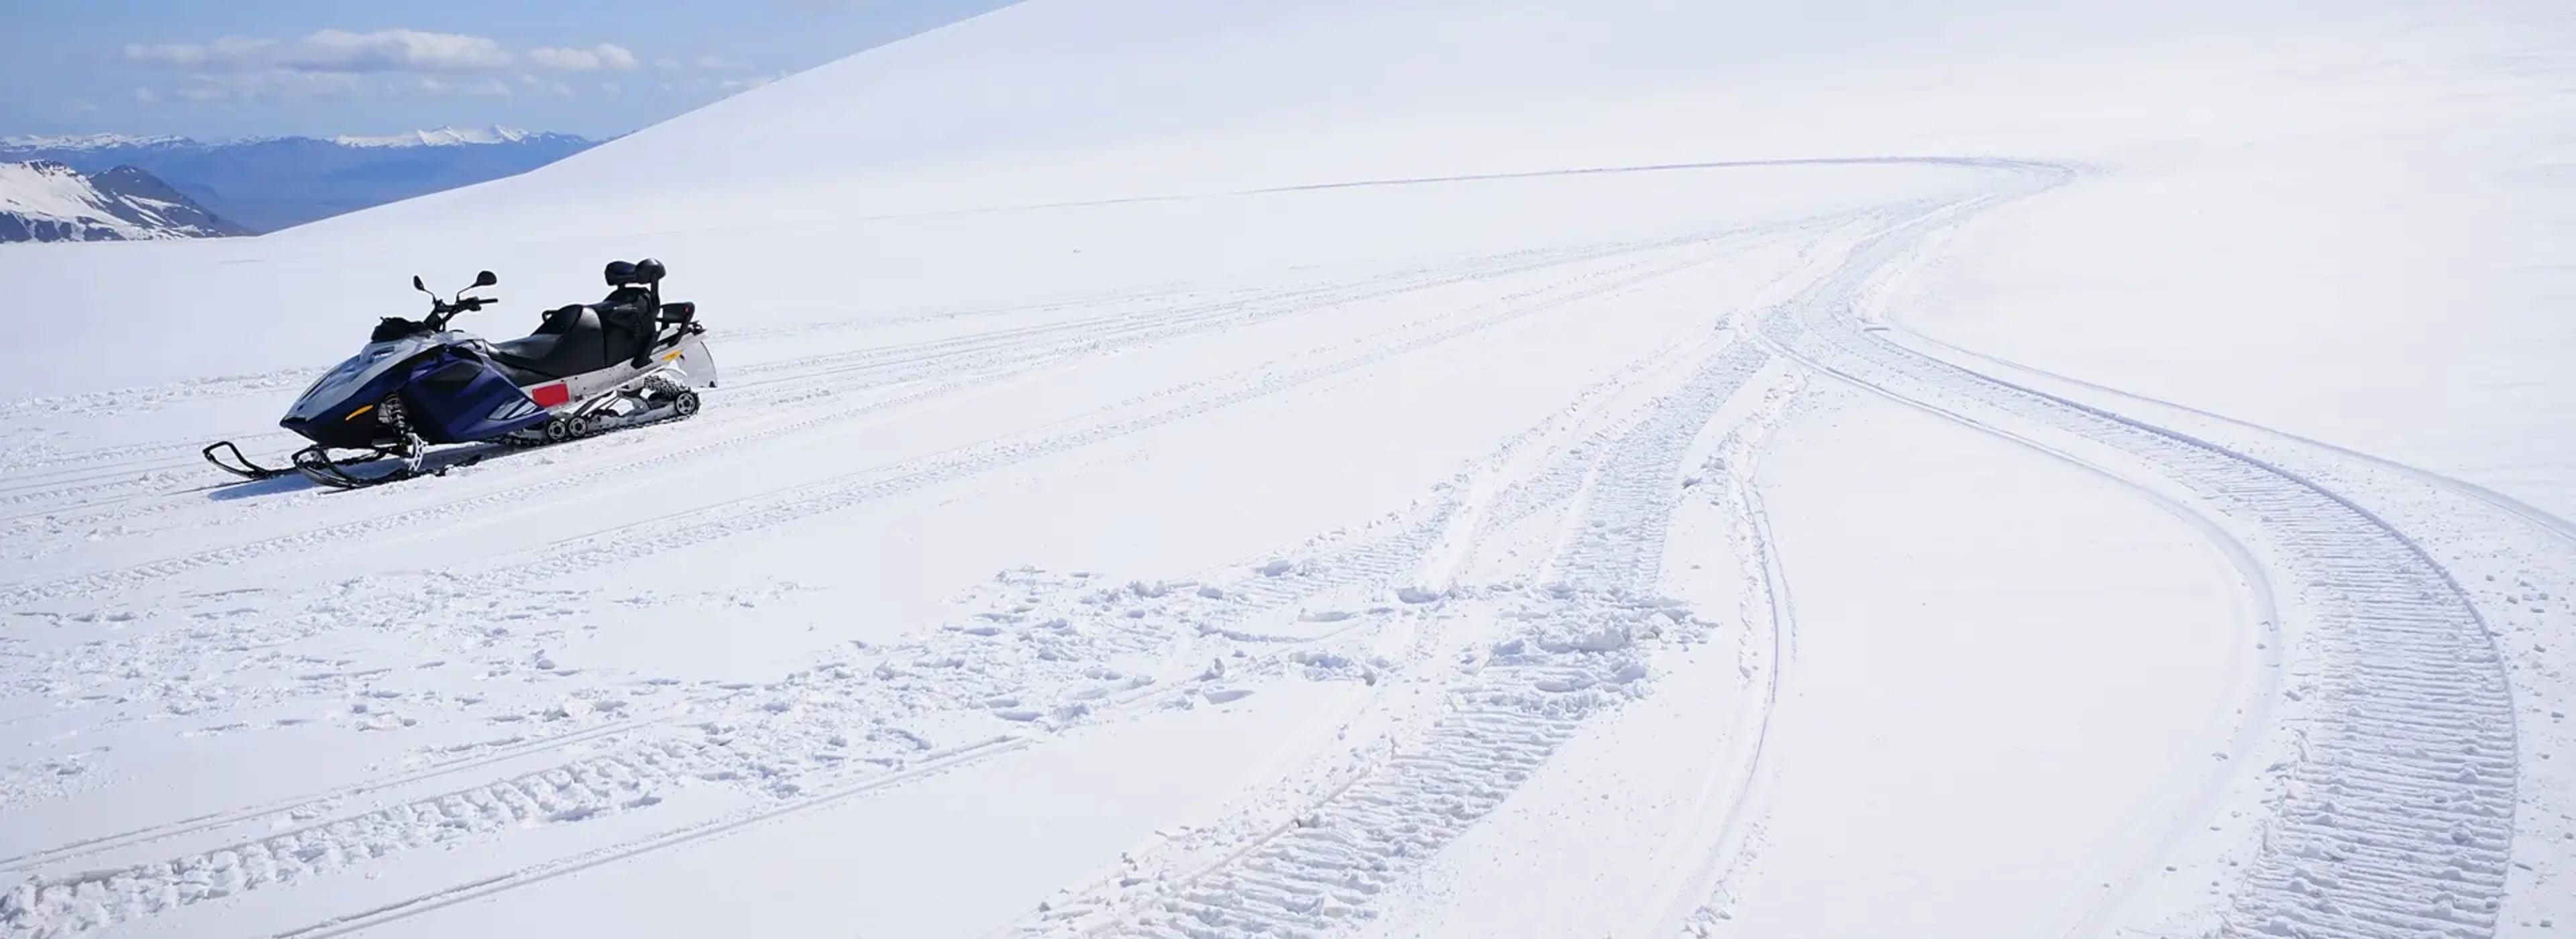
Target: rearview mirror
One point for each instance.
(485, 279)
(417, 285)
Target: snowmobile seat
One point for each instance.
(563, 319)
(567, 344)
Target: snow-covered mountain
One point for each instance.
(1362, 469)
(89, 141)
(47, 201)
(456, 137)
(270, 183)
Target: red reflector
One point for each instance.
(549, 395)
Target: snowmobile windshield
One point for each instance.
(349, 376)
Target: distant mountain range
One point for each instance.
(268, 183)
(48, 201)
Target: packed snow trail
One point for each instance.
(2496, 547)
(630, 760)
(2394, 810)
(1451, 467)
(2398, 813)
(1577, 653)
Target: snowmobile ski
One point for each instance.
(240, 465)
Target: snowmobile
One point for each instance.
(588, 368)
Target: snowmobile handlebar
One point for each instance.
(441, 311)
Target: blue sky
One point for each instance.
(231, 68)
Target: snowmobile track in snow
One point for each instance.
(2396, 819)
(527, 876)
(18, 595)
(2398, 816)
(1372, 561)
(623, 777)
(833, 494)
(1323, 871)
(788, 742)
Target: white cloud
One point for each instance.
(410, 50)
(608, 56)
(331, 50)
(384, 61)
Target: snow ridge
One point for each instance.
(90, 141)
(439, 137)
(47, 201)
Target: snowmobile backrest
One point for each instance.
(624, 273)
(629, 296)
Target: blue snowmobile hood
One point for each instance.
(348, 386)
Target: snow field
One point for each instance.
(1664, 470)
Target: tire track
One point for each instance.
(983, 666)
(1577, 654)
(1376, 563)
(831, 730)
(300, 805)
(2397, 818)
(2511, 556)
(748, 514)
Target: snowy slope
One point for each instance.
(46, 201)
(1389, 469)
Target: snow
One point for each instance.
(1423, 468)
(441, 137)
(36, 192)
(88, 141)
(50, 190)
(1904, 732)
(43, 194)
